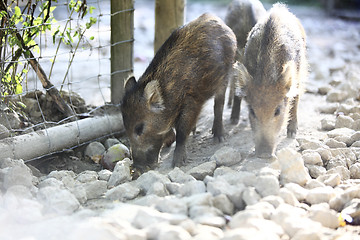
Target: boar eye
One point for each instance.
(277, 111)
(139, 129)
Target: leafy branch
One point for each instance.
(18, 32)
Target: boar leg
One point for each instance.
(235, 111)
(217, 128)
(231, 92)
(292, 124)
(185, 124)
(169, 138)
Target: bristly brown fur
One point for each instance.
(190, 67)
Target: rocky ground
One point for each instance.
(311, 191)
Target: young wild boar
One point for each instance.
(241, 17)
(189, 68)
(274, 67)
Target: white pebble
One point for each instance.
(292, 167)
(320, 195)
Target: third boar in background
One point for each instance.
(241, 17)
(190, 67)
(274, 67)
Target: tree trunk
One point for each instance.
(169, 15)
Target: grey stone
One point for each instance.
(354, 138)
(158, 188)
(4, 132)
(171, 204)
(60, 201)
(340, 132)
(250, 196)
(87, 176)
(339, 202)
(18, 175)
(312, 157)
(51, 182)
(292, 167)
(328, 218)
(65, 176)
(309, 144)
(191, 188)
(248, 233)
(332, 143)
(203, 170)
(95, 189)
(314, 183)
(203, 199)
(178, 176)
(320, 195)
(236, 177)
(94, 151)
(327, 124)
(207, 215)
(267, 185)
(342, 171)
(307, 234)
(233, 192)
(298, 191)
(111, 142)
(275, 201)
(174, 232)
(264, 207)
(20, 191)
(104, 174)
(325, 154)
(226, 156)
(315, 170)
(336, 96)
(355, 171)
(123, 192)
(343, 122)
(173, 187)
(292, 219)
(146, 180)
(331, 180)
(223, 203)
(241, 217)
(329, 108)
(336, 161)
(121, 173)
(288, 196)
(79, 192)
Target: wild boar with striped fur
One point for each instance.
(190, 67)
(274, 67)
(241, 17)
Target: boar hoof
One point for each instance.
(179, 158)
(234, 121)
(219, 139)
(291, 133)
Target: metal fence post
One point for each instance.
(122, 39)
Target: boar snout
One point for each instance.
(143, 159)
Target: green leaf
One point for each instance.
(17, 12)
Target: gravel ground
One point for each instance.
(312, 190)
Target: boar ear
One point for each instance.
(287, 78)
(130, 84)
(241, 77)
(153, 96)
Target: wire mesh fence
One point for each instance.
(72, 46)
